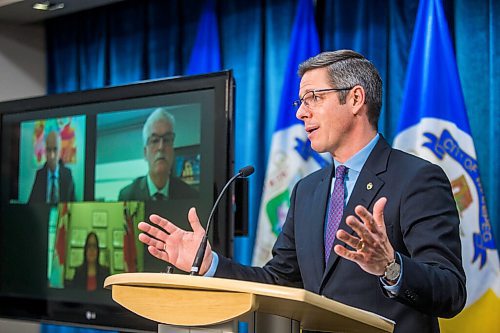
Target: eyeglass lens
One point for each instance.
(167, 139)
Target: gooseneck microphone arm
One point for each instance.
(198, 259)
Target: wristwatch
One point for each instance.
(392, 270)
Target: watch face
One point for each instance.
(392, 271)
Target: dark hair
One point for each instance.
(80, 279)
(92, 233)
(347, 68)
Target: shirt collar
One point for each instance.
(153, 189)
(54, 173)
(356, 162)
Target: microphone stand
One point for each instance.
(198, 259)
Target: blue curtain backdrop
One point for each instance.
(136, 40)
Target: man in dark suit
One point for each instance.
(377, 230)
(53, 182)
(159, 184)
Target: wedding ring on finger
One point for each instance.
(164, 247)
(360, 246)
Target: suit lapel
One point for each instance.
(364, 192)
(44, 179)
(63, 186)
(143, 189)
(319, 202)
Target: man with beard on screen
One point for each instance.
(159, 183)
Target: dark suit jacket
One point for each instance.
(66, 185)
(139, 191)
(422, 224)
(80, 279)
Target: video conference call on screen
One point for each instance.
(76, 181)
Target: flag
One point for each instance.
(291, 156)
(129, 238)
(434, 126)
(205, 56)
(58, 260)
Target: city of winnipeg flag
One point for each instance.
(291, 156)
(434, 126)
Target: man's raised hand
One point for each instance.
(174, 245)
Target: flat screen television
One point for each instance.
(73, 184)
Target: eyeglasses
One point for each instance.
(51, 150)
(311, 99)
(167, 140)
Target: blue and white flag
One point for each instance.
(205, 56)
(434, 126)
(291, 156)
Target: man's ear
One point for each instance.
(357, 98)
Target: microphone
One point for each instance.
(198, 259)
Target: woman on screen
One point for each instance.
(90, 275)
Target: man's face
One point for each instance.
(159, 150)
(52, 150)
(326, 121)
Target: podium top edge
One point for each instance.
(164, 280)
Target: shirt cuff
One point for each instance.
(213, 266)
(394, 289)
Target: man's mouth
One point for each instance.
(160, 158)
(311, 128)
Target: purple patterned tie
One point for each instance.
(336, 209)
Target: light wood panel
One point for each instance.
(176, 306)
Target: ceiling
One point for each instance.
(22, 12)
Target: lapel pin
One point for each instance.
(369, 186)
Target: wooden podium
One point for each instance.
(191, 302)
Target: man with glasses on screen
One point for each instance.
(53, 182)
(378, 229)
(159, 184)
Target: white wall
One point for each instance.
(22, 61)
(22, 74)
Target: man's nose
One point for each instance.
(302, 112)
(161, 144)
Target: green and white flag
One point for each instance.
(291, 156)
